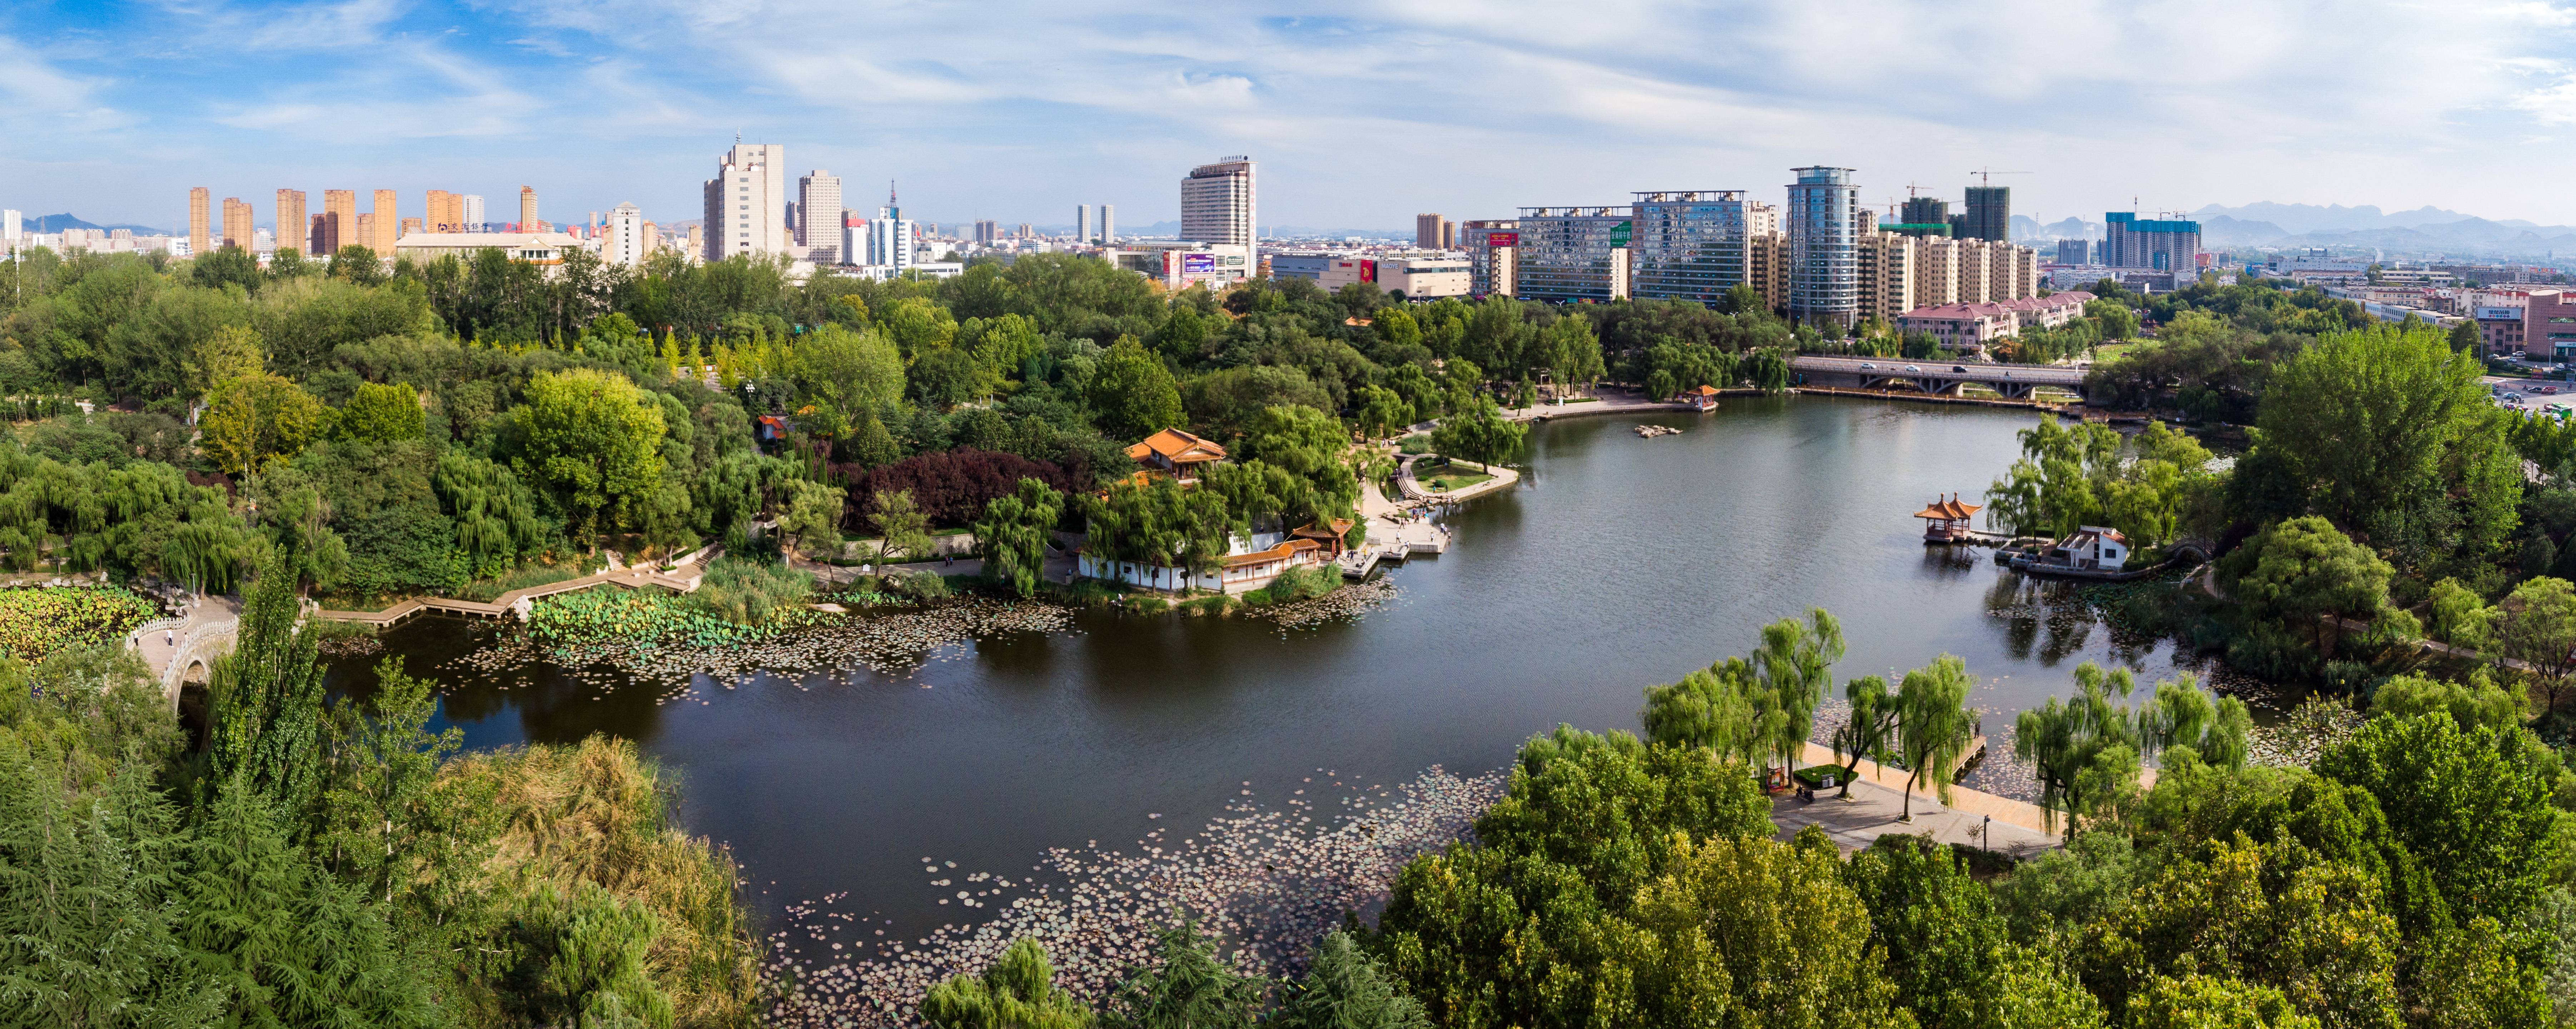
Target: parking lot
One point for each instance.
(2532, 395)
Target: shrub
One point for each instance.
(751, 593)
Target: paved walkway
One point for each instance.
(681, 577)
(164, 640)
(1605, 401)
(1874, 811)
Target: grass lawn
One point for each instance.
(2108, 351)
(1443, 476)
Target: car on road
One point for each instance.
(1868, 367)
(1959, 368)
(2549, 389)
(1912, 368)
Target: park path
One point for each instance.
(681, 576)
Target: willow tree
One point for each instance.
(1753, 709)
(2084, 750)
(1933, 726)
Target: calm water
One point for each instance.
(1619, 562)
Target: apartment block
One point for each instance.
(1492, 246)
(528, 220)
(387, 224)
(291, 233)
(743, 202)
(1433, 232)
(1573, 254)
(1936, 271)
(1886, 276)
(445, 212)
(200, 234)
(1692, 244)
(237, 224)
(339, 221)
(1769, 257)
(818, 213)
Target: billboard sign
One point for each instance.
(1198, 264)
(1502, 239)
(1620, 233)
(1368, 271)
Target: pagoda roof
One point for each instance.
(1950, 508)
(1177, 447)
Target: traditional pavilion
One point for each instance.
(1947, 521)
(1176, 453)
(1702, 398)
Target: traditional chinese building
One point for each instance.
(1948, 521)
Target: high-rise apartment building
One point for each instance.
(472, 206)
(1108, 225)
(12, 226)
(1573, 254)
(1492, 247)
(2158, 245)
(387, 222)
(339, 221)
(1082, 223)
(237, 224)
(1219, 205)
(365, 233)
(1690, 244)
(987, 231)
(1028, 231)
(1769, 256)
(627, 240)
(745, 200)
(1922, 216)
(1886, 269)
(1433, 232)
(200, 235)
(1989, 214)
(2074, 251)
(290, 220)
(528, 220)
(818, 216)
(1823, 227)
(410, 227)
(445, 213)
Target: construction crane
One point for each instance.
(1986, 176)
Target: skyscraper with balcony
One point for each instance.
(290, 221)
(1433, 232)
(1108, 225)
(445, 212)
(1573, 254)
(890, 236)
(1691, 244)
(1989, 211)
(1219, 205)
(339, 225)
(388, 224)
(200, 234)
(746, 202)
(237, 224)
(1823, 229)
(818, 214)
(528, 220)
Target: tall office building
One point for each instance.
(200, 236)
(1989, 215)
(339, 221)
(1691, 244)
(1082, 223)
(388, 224)
(1571, 254)
(1108, 225)
(237, 224)
(626, 240)
(1823, 227)
(290, 220)
(472, 207)
(818, 216)
(889, 237)
(1433, 232)
(1219, 205)
(445, 212)
(2159, 245)
(528, 221)
(745, 200)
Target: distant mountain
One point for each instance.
(2225, 231)
(2063, 228)
(2301, 219)
(59, 222)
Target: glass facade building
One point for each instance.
(1573, 254)
(1824, 219)
(1694, 244)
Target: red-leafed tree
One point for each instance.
(950, 486)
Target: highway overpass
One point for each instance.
(1932, 375)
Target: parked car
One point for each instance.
(2549, 389)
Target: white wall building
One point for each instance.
(11, 227)
(622, 240)
(818, 216)
(1218, 205)
(746, 202)
(472, 211)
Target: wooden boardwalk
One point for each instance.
(682, 577)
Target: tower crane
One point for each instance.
(1986, 176)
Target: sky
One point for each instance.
(1360, 114)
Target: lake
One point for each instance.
(1619, 562)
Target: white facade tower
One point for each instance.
(818, 215)
(622, 239)
(746, 202)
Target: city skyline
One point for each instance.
(1042, 108)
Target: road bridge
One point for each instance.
(1934, 375)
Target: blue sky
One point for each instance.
(1361, 114)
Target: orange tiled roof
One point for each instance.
(1703, 390)
(1950, 508)
(1341, 527)
(1278, 553)
(1177, 447)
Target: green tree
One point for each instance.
(853, 373)
(901, 526)
(1132, 393)
(1160, 525)
(1572, 352)
(1012, 535)
(2114, 318)
(2461, 618)
(232, 352)
(2184, 715)
(593, 441)
(1383, 412)
(1346, 989)
(944, 377)
(1017, 992)
(381, 413)
(356, 265)
(2466, 339)
(1933, 725)
(2474, 705)
(2537, 626)
(2264, 914)
(1310, 445)
(1188, 987)
(254, 419)
(1476, 431)
(2474, 805)
(1869, 730)
(265, 726)
(813, 515)
(2085, 751)
(2304, 572)
(1761, 931)
(2387, 431)
(917, 326)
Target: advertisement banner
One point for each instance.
(1198, 264)
(1620, 233)
(1502, 239)
(1368, 271)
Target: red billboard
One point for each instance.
(1368, 271)
(1502, 239)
